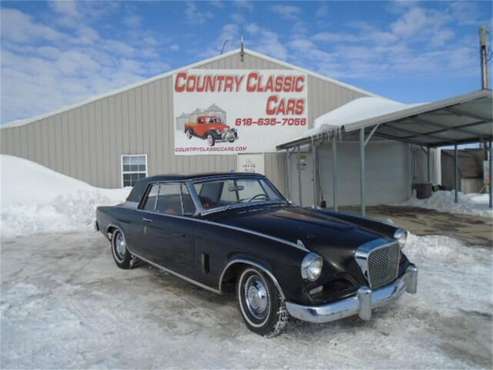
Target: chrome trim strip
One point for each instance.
(362, 303)
(247, 262)
(175, 273)
(230, 227)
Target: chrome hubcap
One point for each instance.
(121, 245)
(256, 297)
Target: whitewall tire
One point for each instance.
(121, 255)
(260, 302)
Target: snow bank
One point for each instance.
(35, 199)
(473, 204)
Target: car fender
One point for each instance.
(251, 261)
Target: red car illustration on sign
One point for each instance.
(211, 128)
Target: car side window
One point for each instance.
(150, 202)
(169, 199)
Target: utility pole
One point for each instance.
(242, 49)
(484, 53)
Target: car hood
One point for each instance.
(319, 232)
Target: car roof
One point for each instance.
(195, 176)
(141, 185)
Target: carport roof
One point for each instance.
(457, 120)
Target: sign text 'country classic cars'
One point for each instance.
(237, 111)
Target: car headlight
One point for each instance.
(311, 267)
(401, 236)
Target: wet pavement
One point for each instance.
(472, 230)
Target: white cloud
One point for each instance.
(419, 41)
(265, 41)
(65, 7)
(440, 37)
(43, 69)
(411, 23)
(287, 11)
(466, 12)
(132, 21)
(334, 37)
(195, 15)
(86, 35)
(244, 4)
(20, 27)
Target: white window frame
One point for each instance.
(132, 172)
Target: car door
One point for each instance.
(167, 231)
(142, 245)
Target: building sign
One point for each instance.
(238, 111)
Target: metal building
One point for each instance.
(113, 139)
(145, 129)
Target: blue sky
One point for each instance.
(58, 53)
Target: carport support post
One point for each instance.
(334, 172)
(362, 171)
(428, 166)
(288, 172)
(315, 174)
(456, 175)
(490, 162)
(298, 166)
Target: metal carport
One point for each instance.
(458, 120)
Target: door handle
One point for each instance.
(148, 220)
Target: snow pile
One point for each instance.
(35, 199)
(473, 204)
(441, 249)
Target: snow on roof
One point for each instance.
(356, 110)
(26, 121)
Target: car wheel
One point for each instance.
(210, 140)
(121, 255)
(261, 303)
(188, 132)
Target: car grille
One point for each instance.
(383, 265)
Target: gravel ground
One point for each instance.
(64, 304)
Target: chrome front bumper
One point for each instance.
(361, 304)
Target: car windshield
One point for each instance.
(235, 192)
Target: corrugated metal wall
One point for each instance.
(87, 142)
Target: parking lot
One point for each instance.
(65, 304)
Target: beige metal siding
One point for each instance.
(86, 142)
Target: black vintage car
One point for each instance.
(236, 232)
